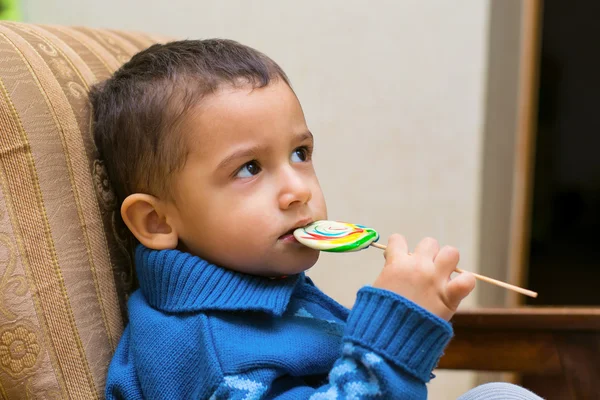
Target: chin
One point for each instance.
(307, 263)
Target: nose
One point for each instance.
(295, 189)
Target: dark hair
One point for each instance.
(137, 112)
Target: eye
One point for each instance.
(301, 154)
(248, 170)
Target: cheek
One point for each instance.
(318, 200)
(244, 238)
(247, 219)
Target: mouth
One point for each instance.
(289, 235)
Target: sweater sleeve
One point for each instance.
(389, 349)
(162, 356)
(122, 382)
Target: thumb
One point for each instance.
(458, 288)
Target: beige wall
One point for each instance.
(395, 93)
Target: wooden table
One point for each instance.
(556, 351)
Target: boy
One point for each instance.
(208, 150)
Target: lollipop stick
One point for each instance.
(505, 285)
(379, 246)
(483, 278)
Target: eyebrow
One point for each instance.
(251, 151)
(307, 135)
(242, 153)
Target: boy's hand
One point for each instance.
(423, 277)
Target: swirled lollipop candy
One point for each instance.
(342, 237)
(335, 236)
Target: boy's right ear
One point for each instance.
(146, 217)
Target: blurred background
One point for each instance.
(472, 122)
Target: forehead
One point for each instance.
(235, 115)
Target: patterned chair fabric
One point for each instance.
(65, 265)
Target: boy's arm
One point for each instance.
(122, 382)
(162, 356)
(390, 347)
(395, 334)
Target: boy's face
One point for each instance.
(248, 182)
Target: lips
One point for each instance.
(289, 235)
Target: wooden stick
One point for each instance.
(379, 246)
(505, 285)
(482, 278)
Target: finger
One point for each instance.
(458, 288)
(446, 260)
(428, 247)
(396, 246)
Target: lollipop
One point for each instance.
(340, 237)
(337, 237)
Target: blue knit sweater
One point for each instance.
(204, 332)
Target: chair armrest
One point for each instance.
(555, 350)
(516, 339)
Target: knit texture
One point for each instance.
(201, 331)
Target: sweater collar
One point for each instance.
(174, 281)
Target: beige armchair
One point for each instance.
(64, 263)
(65, 268)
